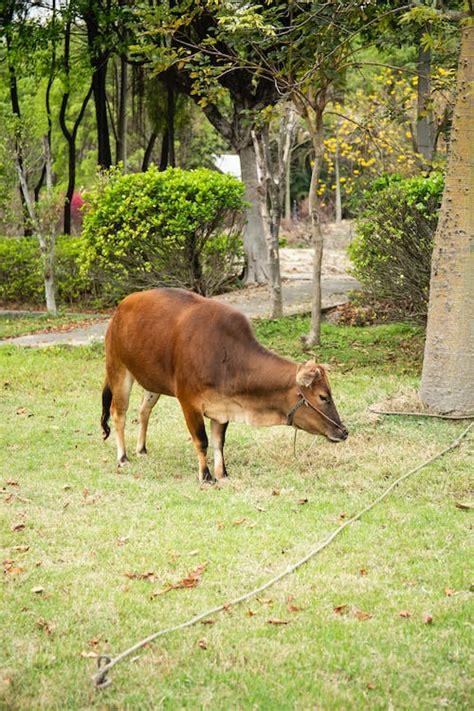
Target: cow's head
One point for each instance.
(315, 411)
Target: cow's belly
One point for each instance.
(229, 410)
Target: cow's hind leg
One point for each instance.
(195, 423)
(121, 385)
(218, 440)
(148, 403)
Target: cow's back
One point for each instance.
(172, 340)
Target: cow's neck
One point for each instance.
(262, 395)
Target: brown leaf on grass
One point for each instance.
(405, 613)
(370, 685)
(12, 482)
(89, 655)
(208, 622)
(121, 541)
(10, 569)
(21, 549)
(449, 592)
(290, 597)
(265, 600)
(8, 499)
(220, 524)
(148, 575)
(250, 613)
(361, 615)
(277, 621)
(18, 527)
(259, 508)
(45, 626)
(21, 411)
(293, 608)
(94, 642)
(37, 590)
(342, 516)
(240, 521)
(427, 618)
(276, 492)
(363, 571)
(464, 505)
(190, 581)
(340, 609)
(302, 501)
(202, 644)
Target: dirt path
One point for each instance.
(253, 301)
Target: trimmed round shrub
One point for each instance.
(392, 249)
(171, 228)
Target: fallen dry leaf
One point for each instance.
(190, 581)
(293, 608)
(89, 655)
(277, 621)
(361, 615)
(149, 575)
(10, 569)
(340, 609)
(12, 482)
(265, 600)
(240, 521)
(427, 618)
(18, 527)
(94, 642)
(362, 571)
(290, 597)
(21, 411)
(21, 549)
(302, 501)
(342, 515)
(259, 508)
(404, 613)
(276, 492)
(37, 590)
(220, 524)
(370, 685)
(449, 592)
(208, 622)
(465, 505)
(250, 613)
(202, 644)
(45, 626)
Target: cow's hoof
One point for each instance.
(206, 477)
(142, 452)
(123, 461)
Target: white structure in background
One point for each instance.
(228, 163)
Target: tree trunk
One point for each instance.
(271, 218)
(424, 118)
(254, 239)
(170, 112)
(447, 382)
(122, 114)
(337, 176)
(149, 151)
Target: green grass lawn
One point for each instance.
(19, 324)
(85, 533)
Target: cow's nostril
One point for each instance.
(345, 434)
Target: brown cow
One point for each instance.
(174, 342)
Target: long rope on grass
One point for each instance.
(405, 413)
(105, 663)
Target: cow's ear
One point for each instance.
(308, 373)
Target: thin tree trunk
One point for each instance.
(164, 151)
(254, 241)
(315, 128)
(170, 113)
(149, 151)
(271, 217)
(122, 114)
(424, 119)
(337, 176)
(288, 189)
(99, 61)
(447, 382)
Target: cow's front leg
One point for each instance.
(218, 440)
(195, 423)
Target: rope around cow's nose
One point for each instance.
(105, 663)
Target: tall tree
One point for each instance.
(447, 383)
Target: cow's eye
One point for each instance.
(323, 398)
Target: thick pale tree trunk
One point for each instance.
(254, 235)
(447, 383)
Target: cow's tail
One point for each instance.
(106, 402)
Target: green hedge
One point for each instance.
(21, 279)
(394, 241)
(171, 228)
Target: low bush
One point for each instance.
(21, 278)
(392, 250)
(172, 228)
